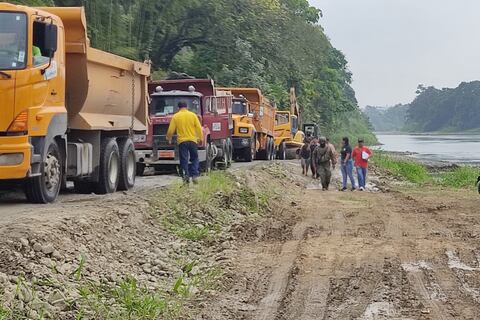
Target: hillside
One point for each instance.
(446, 110)
(268, 44)
(387, 119)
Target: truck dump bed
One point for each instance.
(264, 112)
(103, 91)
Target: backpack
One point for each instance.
(325, 157)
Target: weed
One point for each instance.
(77, 273)
(406, 169)
(462, 177)
(4, 313)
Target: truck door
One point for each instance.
(218, 117)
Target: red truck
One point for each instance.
(213, 108)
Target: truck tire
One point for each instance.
(128, 163)
(109, 167)
(223, 163)
(206, 166)
(45, 187)
(274, 150)
(230, 152)
(282, 151)
(250, 153)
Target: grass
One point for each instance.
(405, 169)
(409, 170)
(200, 212)
(462, 177)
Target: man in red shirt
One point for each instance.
(361, 155)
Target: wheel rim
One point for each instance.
(52, 172)
(131, 167)
(113, 169)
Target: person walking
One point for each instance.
(361, 155)
(305, 156)
(346, 164)
(313, 146)
(189, 133)
(324, 159)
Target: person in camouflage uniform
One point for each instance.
(324, 157)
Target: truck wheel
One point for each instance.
(140, 169)
(128, 163)
(249, 153)
(206, 166)
(282, 151)
(229, 152)
(45, 188)
(274, 151)
(109, 167)
(224, 160)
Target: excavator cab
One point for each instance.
(311, 130)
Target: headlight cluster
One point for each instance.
(243, 130)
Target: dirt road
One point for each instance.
(402, 254)
(13, 205)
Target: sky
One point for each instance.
(394, 45)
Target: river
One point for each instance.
(453, 148)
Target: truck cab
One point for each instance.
(243, 129)
(67, 110)
(214, 112)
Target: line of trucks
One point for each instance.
(74, 113)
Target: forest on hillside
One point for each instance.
(270, 44)
(387, 119)
(445, 110)
(433, 110)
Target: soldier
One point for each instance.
(324, 157)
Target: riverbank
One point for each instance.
(426, 172)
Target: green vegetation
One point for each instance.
(273, 45)
(387, 119)
(461, 177)
(445, 110)
(200, 212)
(406, 169)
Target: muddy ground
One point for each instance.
(396, 252)
(400, 253)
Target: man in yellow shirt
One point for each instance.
(189, 132)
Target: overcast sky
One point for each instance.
(394, 45)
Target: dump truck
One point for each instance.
(253, 125)
(213, 107)
(69, 111)
(288, 137)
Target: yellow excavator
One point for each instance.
(288, 137)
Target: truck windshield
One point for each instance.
(13, 40)
(163, 106)
(239, 107)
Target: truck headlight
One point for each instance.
(139, 138)
(11, 159)
(243, 130)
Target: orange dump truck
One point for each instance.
(68, 111)
(253, 125)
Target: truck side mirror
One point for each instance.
(50, 40)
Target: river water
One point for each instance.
(454, 148)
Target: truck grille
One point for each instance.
(160, 136)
